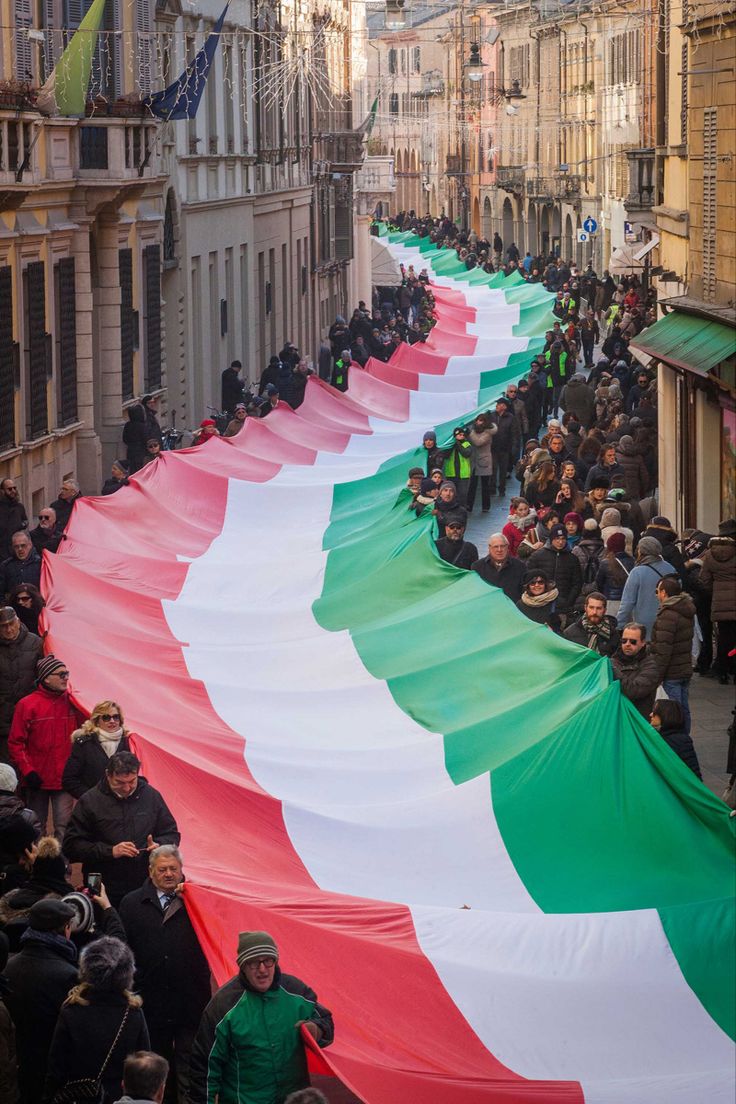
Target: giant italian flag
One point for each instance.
(501, 880)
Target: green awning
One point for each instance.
(687, 341)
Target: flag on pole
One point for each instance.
(182, 98)
(65, 91)
(367, 126)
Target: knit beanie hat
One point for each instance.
(430, 435)
(557, 531)
(48, 666)
(573, 516)
(49, 867)
(616, 543)
(255, 944)
(416, 472)
(8, 778)
(427, 485)
(590, 526)
(649, 546)
(609, 517)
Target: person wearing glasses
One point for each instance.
(23, 566)
(636, 669)
(93, 745)
(39, 743)
(250, 1043)
(47, 534)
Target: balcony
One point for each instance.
(340, 151)
(433, 84)
(454, 165)
(115, 150)
(541, 188)
(510, 178)
(566, 186)
(642, 182)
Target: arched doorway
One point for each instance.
(568, 253)
(487, 219)
(400, 182)
(532, 242)
(413, 197)
(544, 241)
(507, 223)
(476, 216)
(556, 231)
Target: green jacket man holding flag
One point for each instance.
(249, 1048)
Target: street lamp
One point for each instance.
(395, 15)
(474, 66)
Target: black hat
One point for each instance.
(600, 482)
(530, 576)
(49, 867)
(49, 914)
(457, 517)
(503, 400)
(557, 531)
(727, 528)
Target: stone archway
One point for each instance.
(556, 230)
(568, 249)
(544, 232)
(532, 239)
(413, 189)
(487, 229)
(507, 223)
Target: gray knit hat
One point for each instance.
(8, 778)
(255, 944)
(649, 546)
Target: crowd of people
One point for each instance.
(102, 976)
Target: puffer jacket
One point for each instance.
(636, 476)
(482, 460)
(672, 637)
(88, 761)
(18, 659)
(40, 735)
(718, 575)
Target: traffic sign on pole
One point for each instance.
(590, 225)
(582, 236)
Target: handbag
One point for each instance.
(89, 1090)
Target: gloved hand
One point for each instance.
(33, 780)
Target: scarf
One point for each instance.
(62, 946)
(110, 741)
(538, 600)
(522, 524)
(604, 629)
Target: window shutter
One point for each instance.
(8, 355)
(23, 51)
(38, 350)
(144, 53)
(710, 168)
(67, 342)
(152, 284)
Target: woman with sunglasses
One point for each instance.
(538, 600)
(27, 601)
(92, 745)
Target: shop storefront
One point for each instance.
(696, 357)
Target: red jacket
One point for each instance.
(40, 735)
(514, 535)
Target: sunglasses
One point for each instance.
(23, 598)
(44, 517)
(109, 716)
(61, 674)
(537, 582)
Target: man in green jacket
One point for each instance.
(249, 1047)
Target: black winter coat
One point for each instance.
(83, 1037)
(14, 572)
(506, 437)
(162, 942)
(13, 518)
(508, 578)
(683, 746)
(18, 659)
(39, 977)
(639, 678)
(63, 507)
(87, 764)
(458, 553)
(597, 642)
(562, 569)
(100, 820)
(135, 437)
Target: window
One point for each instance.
(152, 307)
(403, 62)
(38, 349)
(127, 321)
(710, 168)
(392, 61)
(416, 59)
(393, 104)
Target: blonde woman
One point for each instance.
(93, 744)
(99, 1024)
